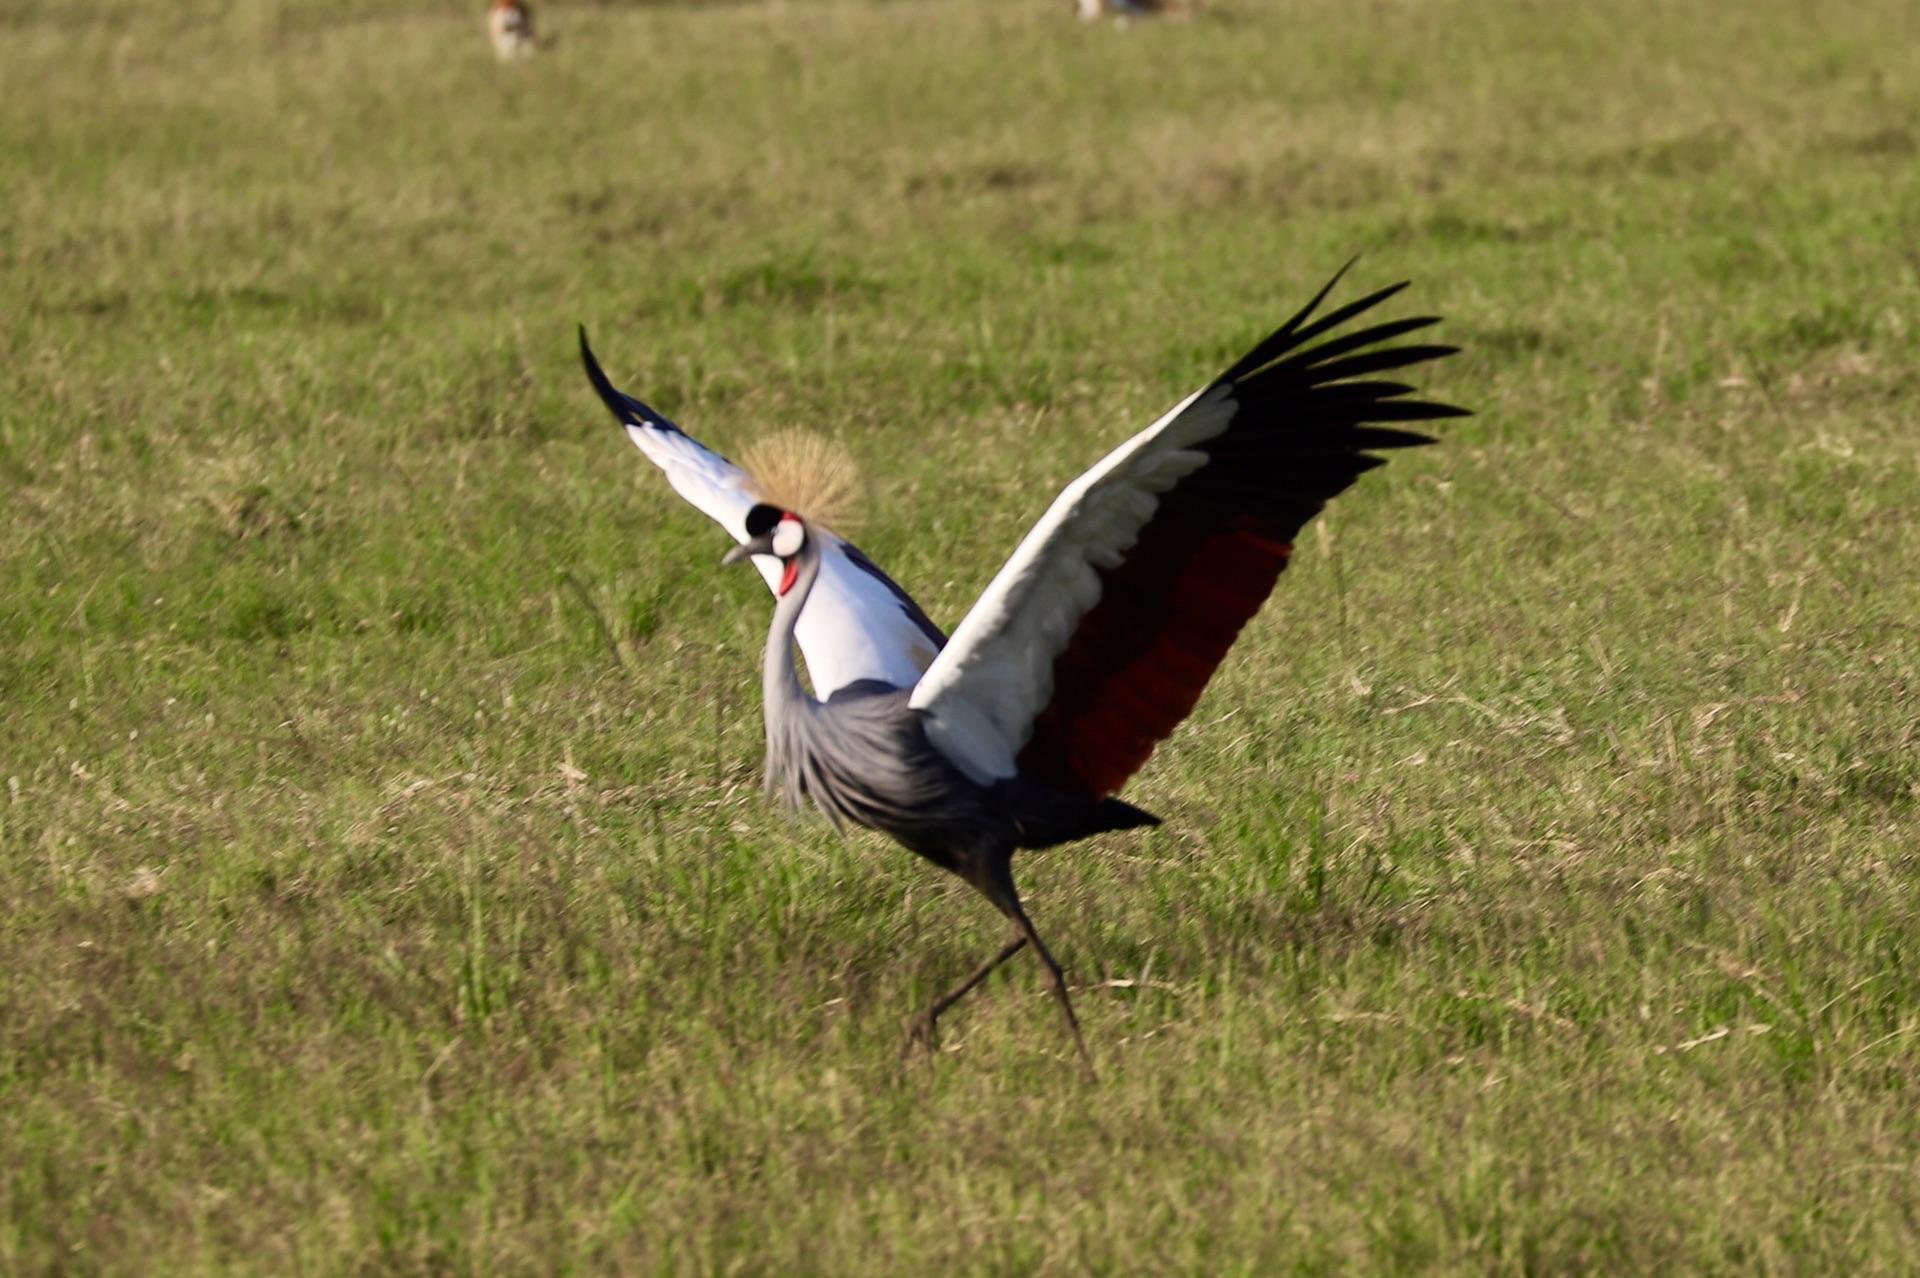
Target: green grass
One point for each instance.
(1537, 893)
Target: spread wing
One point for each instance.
(857, 625)
(1098, 636)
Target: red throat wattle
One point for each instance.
(786, 578)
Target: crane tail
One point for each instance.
(1084, 822)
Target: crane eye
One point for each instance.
(789, 537)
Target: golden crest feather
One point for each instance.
(806, 473)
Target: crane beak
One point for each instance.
(761, 545)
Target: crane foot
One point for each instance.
(922, 1032)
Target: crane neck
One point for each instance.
(780, 676)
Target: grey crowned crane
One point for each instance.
(1087, 648)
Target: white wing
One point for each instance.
(858, 624)
(1098, 636)
(982, 693)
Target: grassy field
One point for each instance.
(385, 882)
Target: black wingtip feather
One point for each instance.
(1364, 393)
(1284, 337)
(627, 410)
(1363, 437)
(602, 386)
(1414, 410)
(1291, 336)
(1327, 351)
(1334, 319)
(1380, 361)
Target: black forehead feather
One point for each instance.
(761, 519)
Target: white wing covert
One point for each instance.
(982, 692)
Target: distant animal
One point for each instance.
(1086, 650)
(1124, 10)
(510, 23)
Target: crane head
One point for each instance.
(776, 532)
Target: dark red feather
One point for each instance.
(1141, 657)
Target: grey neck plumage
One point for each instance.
(787, 702)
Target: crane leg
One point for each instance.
(994, 878)
(1057, 982)
(922, 1029)
(992, 875)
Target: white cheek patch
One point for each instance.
(788, 538)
